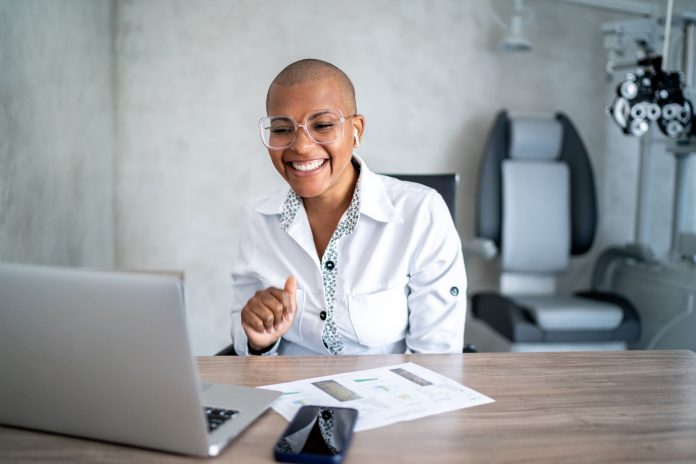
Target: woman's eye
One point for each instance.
(323, 126)
(282, 130)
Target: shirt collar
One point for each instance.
(377, 204)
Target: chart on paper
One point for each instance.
(382, 396)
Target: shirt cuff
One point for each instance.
(271, 350)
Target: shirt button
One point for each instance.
(454, 291)
(329, 265)
(322, 315)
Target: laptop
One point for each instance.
(106, 356)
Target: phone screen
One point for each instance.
(317, 434)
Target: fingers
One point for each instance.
(264, 309)
(289, 290)
(258, 341)
(268, 315)
(253, 322)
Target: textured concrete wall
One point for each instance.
(191, 86)
(56, 132)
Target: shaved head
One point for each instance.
(308, 70)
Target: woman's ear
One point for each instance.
(358, 129)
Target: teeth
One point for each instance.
(306, 167)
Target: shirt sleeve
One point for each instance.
(437, 284)
(245, 283)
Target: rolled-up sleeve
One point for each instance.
(437, 284)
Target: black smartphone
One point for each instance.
(317, 435)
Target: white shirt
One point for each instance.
(392, 281)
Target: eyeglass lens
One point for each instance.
(322, 127)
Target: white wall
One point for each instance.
(56, 132)
(192, 79)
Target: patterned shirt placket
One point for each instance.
(329, 268)
(329, 264)
(290, 209)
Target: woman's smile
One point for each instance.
(307, 168)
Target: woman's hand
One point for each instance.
(268, 315)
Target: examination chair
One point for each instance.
(536, 208)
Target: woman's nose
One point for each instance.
(302, 140)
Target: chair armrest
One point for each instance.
(480, 248)
(227, 351)
(470, 348)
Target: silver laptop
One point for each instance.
(106, 356)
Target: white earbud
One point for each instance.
(355, 138)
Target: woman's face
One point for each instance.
(314, 170)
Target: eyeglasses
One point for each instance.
(322, 127)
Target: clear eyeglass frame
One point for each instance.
(266, 123)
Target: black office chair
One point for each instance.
(227, 351)
(445, 184)
(536, 207)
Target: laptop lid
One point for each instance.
(100, 355)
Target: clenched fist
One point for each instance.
(268, 315)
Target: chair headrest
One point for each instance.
(535, 137)
(563, 144)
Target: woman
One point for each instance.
(345, 261)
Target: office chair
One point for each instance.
(536, 208)
(227, 351)
(445, 184)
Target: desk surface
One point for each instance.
(635, 406)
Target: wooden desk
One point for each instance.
(635, 406)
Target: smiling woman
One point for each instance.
(316, 161)
(346, 261)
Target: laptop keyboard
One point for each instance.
(218, 416)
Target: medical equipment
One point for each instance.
(663, 290)
(649, 94)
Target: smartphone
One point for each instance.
(317, 435)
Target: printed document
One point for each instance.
(382, 396)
